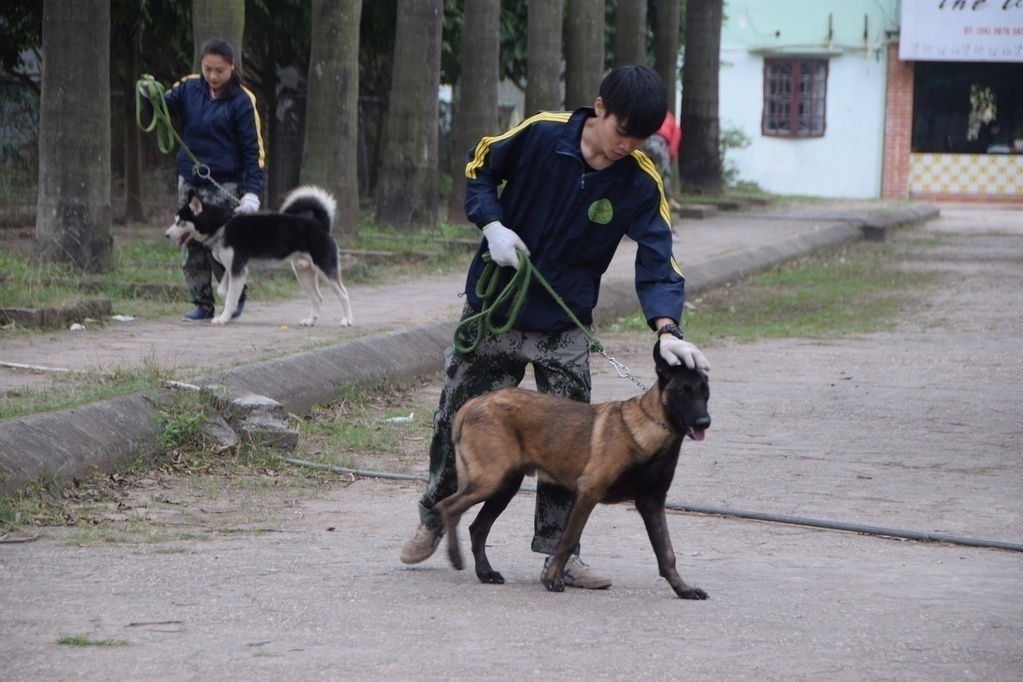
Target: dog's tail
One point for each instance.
(314, 200)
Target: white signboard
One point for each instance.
(962, 30)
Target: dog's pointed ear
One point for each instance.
(660, 364)
(195, 204)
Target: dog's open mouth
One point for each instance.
(696, 434)
(182, 239)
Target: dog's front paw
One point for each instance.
(347, 323)
(490, 577)
(308, 322)
(554, 584)
(221, 319)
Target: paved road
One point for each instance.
(918, 428)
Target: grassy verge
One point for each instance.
(856, 289)
(192, 488)
(82, 388)
(146, 279)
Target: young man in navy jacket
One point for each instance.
(574, 184)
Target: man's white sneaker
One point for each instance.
(422, 544)
(578, 574)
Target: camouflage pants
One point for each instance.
(656, 147)
(199, 266)
(561, 366)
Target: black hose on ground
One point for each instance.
(739, 513)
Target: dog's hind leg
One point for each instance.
(306, 275)
(480, 528)
(450, 510)
(334, 282)
(651, 508)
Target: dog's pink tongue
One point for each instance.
(697, 434)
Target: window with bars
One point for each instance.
(795, 95)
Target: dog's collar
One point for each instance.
(655, 420)
(216, 237)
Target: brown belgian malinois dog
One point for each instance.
(605, 453)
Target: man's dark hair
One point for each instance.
(636, 96)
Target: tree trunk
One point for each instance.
(630, 32)
(701, 163)
(219, 19)
(477, 107)
(330, 157)
(584, 52)
(134, 206)
(543, 57)
(407, 187)
(666, 18)
(73, 215)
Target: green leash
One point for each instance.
(515, 291)
(161, 123)
(150, 88)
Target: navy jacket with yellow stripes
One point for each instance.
(572, 219)
(223, 133)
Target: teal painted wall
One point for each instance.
(778, 23)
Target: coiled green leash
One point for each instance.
(515, 291)
(161, 124)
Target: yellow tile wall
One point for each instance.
(967, 174)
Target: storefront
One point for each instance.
(960, 66)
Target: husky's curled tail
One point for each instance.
(311, 200)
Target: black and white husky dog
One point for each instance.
(300, 232)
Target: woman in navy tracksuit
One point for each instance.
(220, 125)
(571, 186)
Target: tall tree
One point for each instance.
(73, 216)
(329, 158)
(476, 114)
(630, 32)
(126, 29)
(277, 37)
(407, 187)
(543, 60)
(219, 19)
(701, 162)
(584, 52)
(666, 45)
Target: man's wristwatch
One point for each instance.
(672, 329)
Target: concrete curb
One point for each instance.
(111, 433)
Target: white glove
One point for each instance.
(248, 204)
(503, 244)
(676, 352)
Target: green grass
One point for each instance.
(856, 289)
(351, 432)
(146, 279)
(81, 388)
(358, 424)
